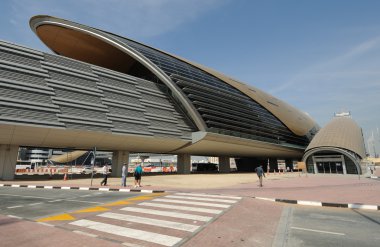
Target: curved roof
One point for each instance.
(297, 121)
(341, 132)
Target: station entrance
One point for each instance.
(330, 164)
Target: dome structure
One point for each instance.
(337, 148)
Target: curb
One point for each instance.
(374, 177)
(79, 188)
(322, 204)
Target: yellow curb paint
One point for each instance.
(57, 218)
(116, 203)
(139, 198)
(90, 210)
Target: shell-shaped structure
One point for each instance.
(337, 148)
(114, 93)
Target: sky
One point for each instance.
(320, 56)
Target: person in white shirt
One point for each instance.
(105, 175)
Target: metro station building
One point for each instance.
(102, 90)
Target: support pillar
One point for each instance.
(118, 159)
(224, 164)
(8, 161)
(183, 163)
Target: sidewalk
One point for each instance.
(291, 186)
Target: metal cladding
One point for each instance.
(108, 91)
(342, 133)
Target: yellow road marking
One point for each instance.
(90, 210)
(117, 203)
(57, 217)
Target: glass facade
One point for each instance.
(224, 109)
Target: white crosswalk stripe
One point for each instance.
(209, 196)
(193, 203)
(168, 214)
(153, 222)
(177, 207)
(128, 232)
(179, 215)
(201, 199)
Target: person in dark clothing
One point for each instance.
(260, 174)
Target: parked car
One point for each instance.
(87, 170)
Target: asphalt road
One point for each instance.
(36, 203)
(314, 226)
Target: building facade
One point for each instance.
(102, 90)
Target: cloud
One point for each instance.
(338, 66)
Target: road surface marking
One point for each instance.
(37, 203)
(193, 203)
(152, 222)
(85, 233)
(207, 195)
(177, 207)
(18, 206)
(14, 216)
(166, 213)
(312, 230)
(58, 200)
(90, 210)
(57, 218)
(128, 232)
(201, 199)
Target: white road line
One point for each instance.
(45, 224)
(193, 203)
(58, 200)
(18, 206)
(152, 222)
(207, 195)
(177, 207)
(37, 203)
(201, 199)
(128, 232)
(14, 216)
(86, 234)
(312, 230)
(81, 201)
(167, 213)
(39, 197)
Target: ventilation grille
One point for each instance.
(19, 59)
(13, 75)
(64, 62)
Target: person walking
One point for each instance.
(124, 173)
(137, 174)
(260, 174)
(105, 175)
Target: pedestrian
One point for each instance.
(137, 174)
(105, 175)
(124, 173)
(260, 174)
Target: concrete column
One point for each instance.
(224, 164)
(8, 161)
(183, 163)
(118, 159)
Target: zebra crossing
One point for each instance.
(164, 221)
